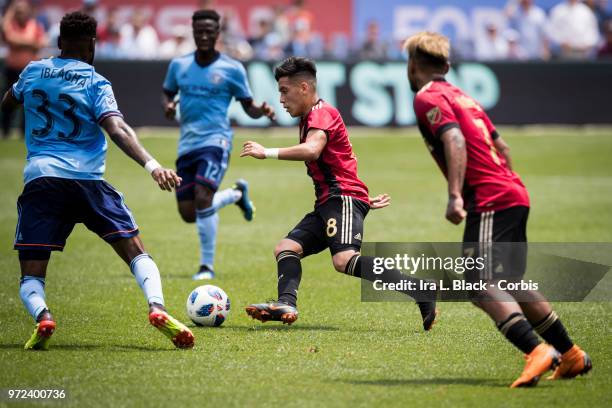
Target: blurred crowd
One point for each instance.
(573, 29)
(576, 29)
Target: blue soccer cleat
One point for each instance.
(245, 204)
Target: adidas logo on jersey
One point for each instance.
(358, 236)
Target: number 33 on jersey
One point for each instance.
(64, 101)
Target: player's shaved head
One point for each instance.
(206, 15)
(429, 50)
(77, 37)
(206, 29)
(78, 26)
(297, 68)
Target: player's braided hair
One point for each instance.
(78, 25)
(295, 65)
(205, 15)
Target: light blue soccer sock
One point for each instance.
(32, 293)
(226, 197)
(146, 273)
(207, 221)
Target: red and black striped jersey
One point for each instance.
(489, 185)
(334, 173)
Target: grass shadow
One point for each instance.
(272, 327)
(177, 276)
(74, 347)
(90, 347)
(391, 382)
(131, 348)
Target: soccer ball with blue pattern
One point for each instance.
(208, 305)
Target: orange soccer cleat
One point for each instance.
(573, 362)
(541, 359)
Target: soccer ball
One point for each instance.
(208, 305)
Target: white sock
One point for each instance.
(207, 221)
(32, 293)
(147, 276)
(226, 197)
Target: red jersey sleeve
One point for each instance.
(435, 113)
(320, 119)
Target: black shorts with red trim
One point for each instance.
(49, 207)
(336, 224)
(500, 237)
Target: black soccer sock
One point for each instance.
(289, 276)
(519, 332)
(362, 267)
(552, 330)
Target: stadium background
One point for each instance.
(369, 87)
(342, 352)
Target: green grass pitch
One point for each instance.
(341, 352)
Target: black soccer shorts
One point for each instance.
(336, 224)
(49, 207)
(500, 237)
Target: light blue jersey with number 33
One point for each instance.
(64, 100)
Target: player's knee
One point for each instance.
(203, 197)
(278, 249)
(340, 266)
(186, 209)
(340, 263)
(128, 248)
(188, 216)
(203, 202)
(287, 245)
(341, 259)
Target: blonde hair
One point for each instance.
(429, 45)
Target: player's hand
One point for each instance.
(167, 179)
(380, 201)
(253, 149)
(170, 110)
(268, 111)
(454, 210)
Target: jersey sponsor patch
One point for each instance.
(216, 78)
(434, 115)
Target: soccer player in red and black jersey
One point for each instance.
(342, 198)
(483, 189)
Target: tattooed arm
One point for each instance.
(456, 159)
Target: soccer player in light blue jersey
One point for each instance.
(206, 81)
(65, 103)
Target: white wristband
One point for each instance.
(271, 153)
(152, 165)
